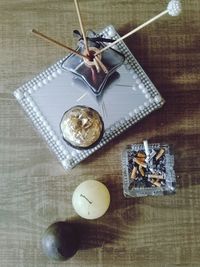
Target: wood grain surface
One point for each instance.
(35, 191)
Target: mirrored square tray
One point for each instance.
(128, 98)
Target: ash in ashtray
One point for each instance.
(148, 170)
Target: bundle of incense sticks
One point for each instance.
(173, 9)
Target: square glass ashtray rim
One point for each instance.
(152, 191)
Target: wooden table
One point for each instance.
(35, 189)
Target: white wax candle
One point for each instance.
(91, 199)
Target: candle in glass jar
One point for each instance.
(91, 199)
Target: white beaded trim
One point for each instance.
(140, 80)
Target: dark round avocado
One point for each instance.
(60, 241)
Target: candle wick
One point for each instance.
(86, 198)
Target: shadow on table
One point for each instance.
(185, 149)
(166, 127)
(168, 64)
(113, 225)
(124, 214)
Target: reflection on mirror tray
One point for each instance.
(127, 97)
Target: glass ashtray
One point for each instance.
(148, 175)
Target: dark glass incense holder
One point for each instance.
(86, 71)
(152, 176)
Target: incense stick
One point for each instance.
(97, 61)
(81, 26)
(131, 32)
(101, 64)
(51, 40)
(96, 65)
(173, 9)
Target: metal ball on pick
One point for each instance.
(60, 241)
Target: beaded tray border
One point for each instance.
(69, 158)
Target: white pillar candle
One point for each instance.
(91, 199)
